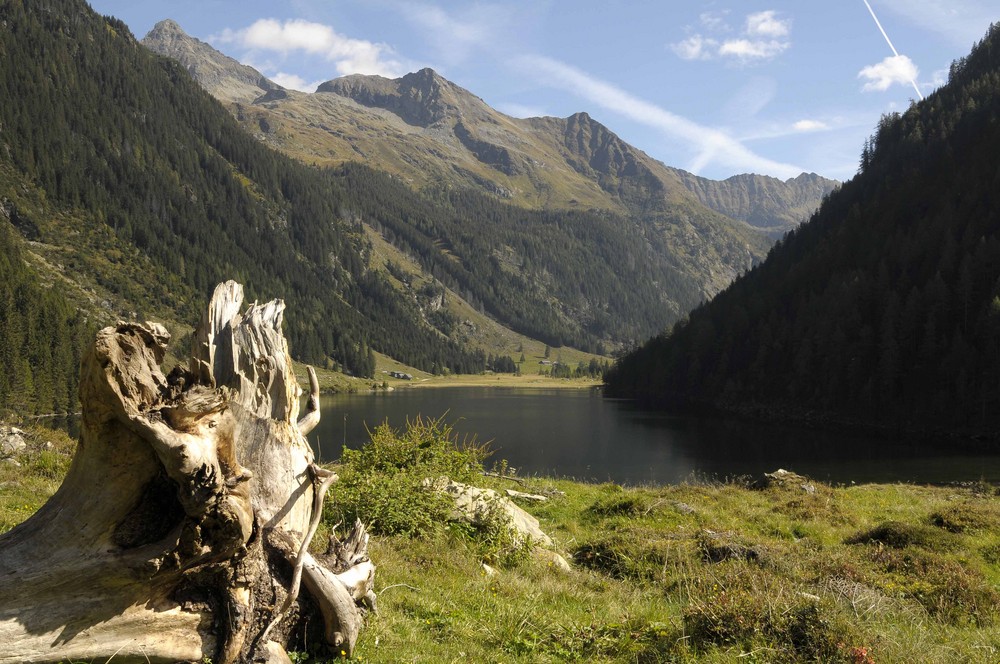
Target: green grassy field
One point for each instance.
(711, 573)
(699, 572)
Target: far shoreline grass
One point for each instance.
(497, 380)
(333, 382)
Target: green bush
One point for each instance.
(618, 505)
(496, 542)
(954, 592)
(388, 484)
(385, 482)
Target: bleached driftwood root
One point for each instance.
(184, 519)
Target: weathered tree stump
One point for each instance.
(181, 529)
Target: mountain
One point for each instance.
(222, 76)
(884, 309)
(766, 203)
(129, 192)
(136, 192)
(615, 246)
(428, 130)
(41, 333)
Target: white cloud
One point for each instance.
(695, 47)
(521, 110)
(745, 49)
(753, 97)
(350, 56)
(781, 128)
(768, 25)
(294, 82)
(711, 145)
(938, 78)
(456, 37)
(765, 35)
(894, 70)
(810, 125)
(715, 20)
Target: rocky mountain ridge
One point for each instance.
(428, 131)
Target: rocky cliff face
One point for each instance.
(766, 203)
(421, 98)
(223, 77)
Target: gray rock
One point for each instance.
(684, 508)
(784, 479)
(473, 504)
(553, 559)
(11, 441)
(532, 497)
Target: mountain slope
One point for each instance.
(41, 333)
(115, 138)
(631, 252)
(884, 309)
(426, 129)
(148, 193)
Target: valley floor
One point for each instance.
(335, 382)
(796, 572)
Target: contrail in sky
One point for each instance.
(889, 42)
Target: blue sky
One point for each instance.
(714, 87)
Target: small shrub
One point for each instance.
(953, 592)
(497, 541)
(609, 556)
(748, 608)
(991, 553)
(626, 557)
(388, 484)
(618, 505)
(427, 445)
(967, 516)
(717, 550)
(49, 464)
(899, 535)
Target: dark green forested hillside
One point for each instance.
(884, 309)
(568, 278)
(40, 336)
(103, 128)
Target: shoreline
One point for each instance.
(496, 380)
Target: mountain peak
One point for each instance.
(420, 98)
(222, 76)
(167, 26)
(426, 74)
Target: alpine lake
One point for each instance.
(578, 434)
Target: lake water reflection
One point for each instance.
(579, 434)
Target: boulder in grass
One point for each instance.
(12, 441)
(473, 505)
(786, 479)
